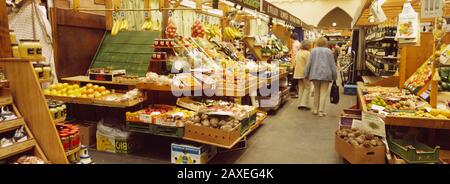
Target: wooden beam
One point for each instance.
(5, 41)
(79, 19)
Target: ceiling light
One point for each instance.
(334, 24)
(372, 19)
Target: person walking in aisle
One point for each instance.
(304, 85)
(321, 70)
(295, 48)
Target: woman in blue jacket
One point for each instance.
(321, 70)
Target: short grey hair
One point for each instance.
(322, 42)
(306, 45)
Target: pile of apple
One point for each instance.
(197, 30)
(171, 30)
(88, 91)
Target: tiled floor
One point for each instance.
(287, 136)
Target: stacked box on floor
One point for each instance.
(192, 154)
(117, 144)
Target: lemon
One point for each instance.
(89, 85)
(95, 87)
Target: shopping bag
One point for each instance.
(334, 93)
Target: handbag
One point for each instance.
(334, 93)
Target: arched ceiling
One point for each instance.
(342, 19)
(313, 11)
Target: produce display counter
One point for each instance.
(154, 87)
(85, 79)
(418, 122)
(96, 102)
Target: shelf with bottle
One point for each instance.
(380, 72)
(382, 32)
(381, 58)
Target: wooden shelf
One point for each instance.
(5, 97)
(73, 151)
(167, 88)
(11, 124)
(60, 120)
(86, 79)
(386, 38)
(45, 80)
(159, 47)
(94, 102)
(383, 57)
(17, 148)
(25, 87)
(4, 83)
(371, 79)
(379, 74)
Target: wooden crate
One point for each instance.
(128, 103)
(212, 135)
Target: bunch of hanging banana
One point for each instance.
(124, 25)
(212, 31)
(148, 25)
(157, 27)
(231, 33)
(119, 25)
(116, 26)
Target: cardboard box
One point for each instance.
(354, 155)
(87, 133)
(105, 142)
(212, 135)
(192, 154)
(113, 144)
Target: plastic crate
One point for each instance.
(139, 127)
(167, 130)
(407, 150)
(155, 129)
(350, 89)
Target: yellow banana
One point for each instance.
(115, 27)
(124, 25)
(144, 25)
(158, 26)
(149, 25)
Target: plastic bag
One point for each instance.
(334, 93)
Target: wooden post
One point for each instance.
(165, 17)
(5, 41)
(108, 14)
(434, 90)
(402, 67)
